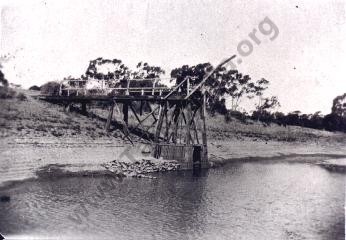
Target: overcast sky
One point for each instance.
(50, 40)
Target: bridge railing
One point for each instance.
(153, 87)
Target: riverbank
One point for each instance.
(36, 134)
(334, 165)
(221, 152)
(23, 158)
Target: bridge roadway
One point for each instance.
(116, 98)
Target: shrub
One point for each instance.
(21, 97)
(241, 116)
(50, 88)
(57, 133)
(263, 116)
(35, 88)
(6, 92)
(41, 128)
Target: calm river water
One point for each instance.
(262, 200)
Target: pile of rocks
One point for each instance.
(141, 167)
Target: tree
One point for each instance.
(3, 80)
(231, 83)
(235, 85)
(332, 122)
(305, 120)
(316, 120)
(113, 71)
(223, 83)
(263, 116)
(260, 86)
(339, 105)
(50, 88)
(35, 88)
(293, 118)
(146, 71)
(268, 103)
(263, 108)
(196, 74)
(5, 91)
(280, 118)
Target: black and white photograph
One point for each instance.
(173, 119)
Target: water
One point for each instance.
(263, 200)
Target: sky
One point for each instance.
(49, 40)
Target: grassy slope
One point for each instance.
(34, 118)
(218, 129)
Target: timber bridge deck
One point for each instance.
(177, 130)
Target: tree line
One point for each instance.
(330, 122)
(225, 83)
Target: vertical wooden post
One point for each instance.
(84, 109)
(204, 131)
(188, 123)
(60, 89)
(126, 113)
(176, 123)
(128, 87)
(157, 132)
(159, 124)
(125, 129)
(110, 116)
(153, 90)
(141, 109)
(167, 124)
(67, 107)
(196, 131)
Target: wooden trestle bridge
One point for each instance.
(173, 121)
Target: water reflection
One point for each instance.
(242, 200)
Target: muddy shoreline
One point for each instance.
(27, 158)
(57, 171)
(292, 158)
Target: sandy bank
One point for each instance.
(222, 151)
(334, 165)
(23, 158)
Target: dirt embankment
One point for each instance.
(238, 141)
(35, 134)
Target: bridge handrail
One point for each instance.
(117, 88)
(131, 79)
(128, 89)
